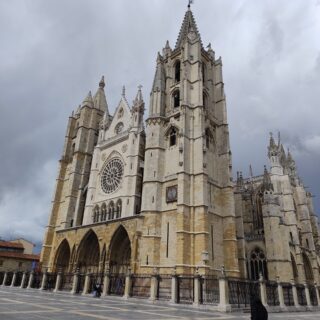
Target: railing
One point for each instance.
(287, 294)
(9, 279)
(140, 286)
(26, 281)
(50, 281)
(36, 282)
(164, 287)
(18, 279)
(209, 290)
(80, 284)
(237, 292)
(313, 295)
(117, 283)
(241, 292)
(272, 293)
(185, 286)
(66, 281)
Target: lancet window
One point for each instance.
(103, 212)
(118, 208)
(111, 210)
(177, 71)
(257, 211)
(257, 264)
(96, 214)
(176, 98)
(173, 136)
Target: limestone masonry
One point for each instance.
(139, 196)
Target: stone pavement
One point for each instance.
(34, 304)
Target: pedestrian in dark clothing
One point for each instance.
(97, 290)
(258, 310)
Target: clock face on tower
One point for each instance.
(112, 175)
(172, 194)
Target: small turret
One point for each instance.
(157, 100)
(138, 109)
(100, 101)
(275, 154)
(88, 101)
(166, 51)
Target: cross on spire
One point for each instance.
(189, 3)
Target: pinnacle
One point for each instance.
(88, 97)
(139, 97)
(123, 91)
(102, 83)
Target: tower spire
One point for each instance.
(188, 26)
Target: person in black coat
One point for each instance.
(258, 310)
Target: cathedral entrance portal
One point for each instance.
(120, 252)
(62, 257)
(89, 253)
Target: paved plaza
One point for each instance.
(33, 304)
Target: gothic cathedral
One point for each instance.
(135, 195)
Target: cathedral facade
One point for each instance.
(135, 195)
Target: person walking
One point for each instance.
(258, 310)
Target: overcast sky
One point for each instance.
(53, 52)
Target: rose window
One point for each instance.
(111, 176)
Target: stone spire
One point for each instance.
(189, 26)
(88, 101)
(100, 101)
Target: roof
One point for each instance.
(18, 255)
(8, 244)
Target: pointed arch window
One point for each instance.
(208, 138)
(176, 98)
(177, 71)
(205, 100)
(103, 212)
(96, 214)
(111, 210)
(258, 264)
(257, 211)
(119, 208)
(307, 268)
(294, 268)
(204, 72)
(172, 136)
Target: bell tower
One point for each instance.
(187, 197)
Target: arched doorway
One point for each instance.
(307, 268)
(120, 251)
(62, 257)
(89, 253)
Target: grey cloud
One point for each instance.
(54, 52)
